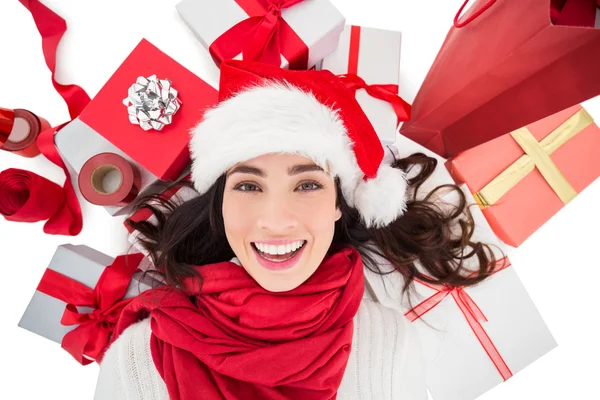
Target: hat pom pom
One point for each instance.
(382, 200)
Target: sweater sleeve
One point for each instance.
(127, 371)
(386, 360)
(411, 377)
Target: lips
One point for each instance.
(277, 257)
(279, 261)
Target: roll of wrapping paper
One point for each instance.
(96, 175)
(19, 130)
(27, 197)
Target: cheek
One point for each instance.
(320, 218)
(237, 217)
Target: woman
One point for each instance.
(265, 287)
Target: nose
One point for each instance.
(277, 217)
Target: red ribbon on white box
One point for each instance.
(385, 92)
(471, 312)
(264, 36)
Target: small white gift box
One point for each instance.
(305, 31)
(374, 56)
(85, 288)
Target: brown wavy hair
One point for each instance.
(433, 235)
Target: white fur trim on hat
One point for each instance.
(281, 118)
(382, 200)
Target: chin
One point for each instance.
(277, 281)
(279, 289)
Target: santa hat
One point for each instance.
(264, 109)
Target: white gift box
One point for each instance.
(374, 55)
(458, 360)
(77, 142)
(316, 22)
(84, 265)
(458, 366)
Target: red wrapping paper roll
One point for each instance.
(96, 188)
(19, 136)
(7, 119)
(27, 197)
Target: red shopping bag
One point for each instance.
(503, 65)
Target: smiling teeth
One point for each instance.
(281, 249)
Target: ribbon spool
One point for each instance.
(107, 179)
(19, 130)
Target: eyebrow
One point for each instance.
(295, 170)
(298, 169)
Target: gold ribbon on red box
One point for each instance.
(537, 155)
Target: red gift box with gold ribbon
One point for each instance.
(81, 296)
(521, 179)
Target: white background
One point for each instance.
(558, 265)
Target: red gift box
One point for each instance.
(521, 179)
(162, 152)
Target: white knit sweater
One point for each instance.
(385, 362)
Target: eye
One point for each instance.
(310, 186)
(246, 187)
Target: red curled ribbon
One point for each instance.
(68, 219)
(264, 36)
(471, 312)
(28, 197)
(90, 338)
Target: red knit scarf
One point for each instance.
(239, 341)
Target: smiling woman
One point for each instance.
(265, 292)
(274, 202)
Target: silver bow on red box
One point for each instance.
(152, 102)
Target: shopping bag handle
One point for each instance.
(472, 17)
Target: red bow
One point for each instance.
(388, 93)
(461, 297)
(264, 36)
(88, 340)
(471, 312)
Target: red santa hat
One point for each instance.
(264, 109)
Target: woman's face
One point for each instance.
(279, 212)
